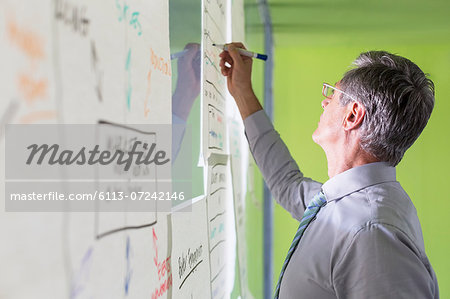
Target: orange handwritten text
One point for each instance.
(160, 64)
(147, 93)
(31, 88)
(26, 40)
(37, 116)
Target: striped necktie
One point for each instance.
(311, 211)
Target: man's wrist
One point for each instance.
(248, 104)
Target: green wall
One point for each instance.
(299, 73)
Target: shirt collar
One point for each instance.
(358, 178)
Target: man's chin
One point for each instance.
(315, 137)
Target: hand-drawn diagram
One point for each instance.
(139, 179)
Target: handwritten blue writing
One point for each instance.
(129, 271)
(129, 88)
(127, 16)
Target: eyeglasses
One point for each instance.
(328, 91)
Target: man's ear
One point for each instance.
(354, 116)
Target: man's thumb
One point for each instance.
(234, 53)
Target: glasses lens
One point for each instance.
(330, 92)
(327, 91)
(324, 90)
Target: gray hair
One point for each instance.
(398, 98)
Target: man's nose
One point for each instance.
(325, 102)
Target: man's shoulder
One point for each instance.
(384, 206)
(385, 202)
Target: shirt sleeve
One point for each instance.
(285, 181)
(381, 262)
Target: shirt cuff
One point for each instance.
(257, 124)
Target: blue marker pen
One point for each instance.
(244, 52)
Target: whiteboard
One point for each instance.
(108, 63)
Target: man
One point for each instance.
(359, 235)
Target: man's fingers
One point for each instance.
(223, 67)
(230, 58)
(226, 72)
(232, 50)
(225, 55)
(225, 62)
(226, 58)
(238, 45)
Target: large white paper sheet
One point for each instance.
(190, 253)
